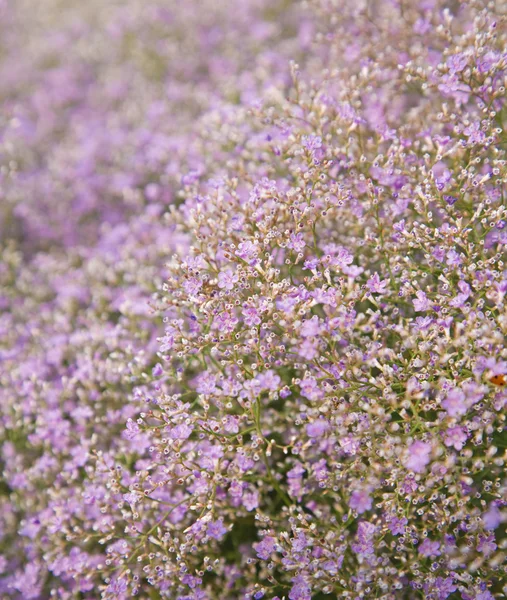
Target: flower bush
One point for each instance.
(280, 382)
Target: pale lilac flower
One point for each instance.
(455, 437)
(455, 403)
(265, 547)
(421, 303)
(216, 529)
(398, 526)
(375, 285)
(297, 242)
(317, 428)
(492, 517)
(418, 457)
(360, 501)
(227, 280)
(429, 548)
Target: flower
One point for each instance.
(360, 501)
(418, 456)
(429, 548)
(216, 529)
(375, 285)
(455, 403)
(265, 547)
(250, 304)
(455, 437)
(227, 279)
(421, 303)
(317, 428)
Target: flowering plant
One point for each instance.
(316, 417)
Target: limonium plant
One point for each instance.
(275, 367)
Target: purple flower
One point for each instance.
(225, 321)
(250, 500)
(422, 323)
(317, 428)
(457, 62)
(421, 304)
(297, 242)
(474, 133)
(268, 380)
(360, 501)
(206, 383)
(363, 545)
(191, 580)
(455, 437)
(487, 544)
(180, 432)
(311, 263)
(300, 590)
(132, 429)
(418, 457)
(492, 517)
(300, 542)
(453, 258)
(167, 342)
(227, 280)
(375, 285)
(285, 392)
(236, 489)
(398, 526)
(192, 286)
(444, 587)
(117, 587)
(429, 548)
(454, 403)
(311, 142)
(157, 370)
(265, 547)
(310, 389)
(311, 327)
(216, 529)
(349, 444)
(248, 252)
(231, 424)
(251, 316)
(461, 298)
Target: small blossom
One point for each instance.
(317, 429)
(265, 547)
(375, 285)
(454, 403)
(360, 501)
(492, 517)
(421, 303)
(418, 457)
(216, 529)
(227, 280)
(398, 526)
(429, 548)
(297, 242)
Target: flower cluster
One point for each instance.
(277, 383)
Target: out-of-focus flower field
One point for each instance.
(252, 299)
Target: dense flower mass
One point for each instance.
(253, 288)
